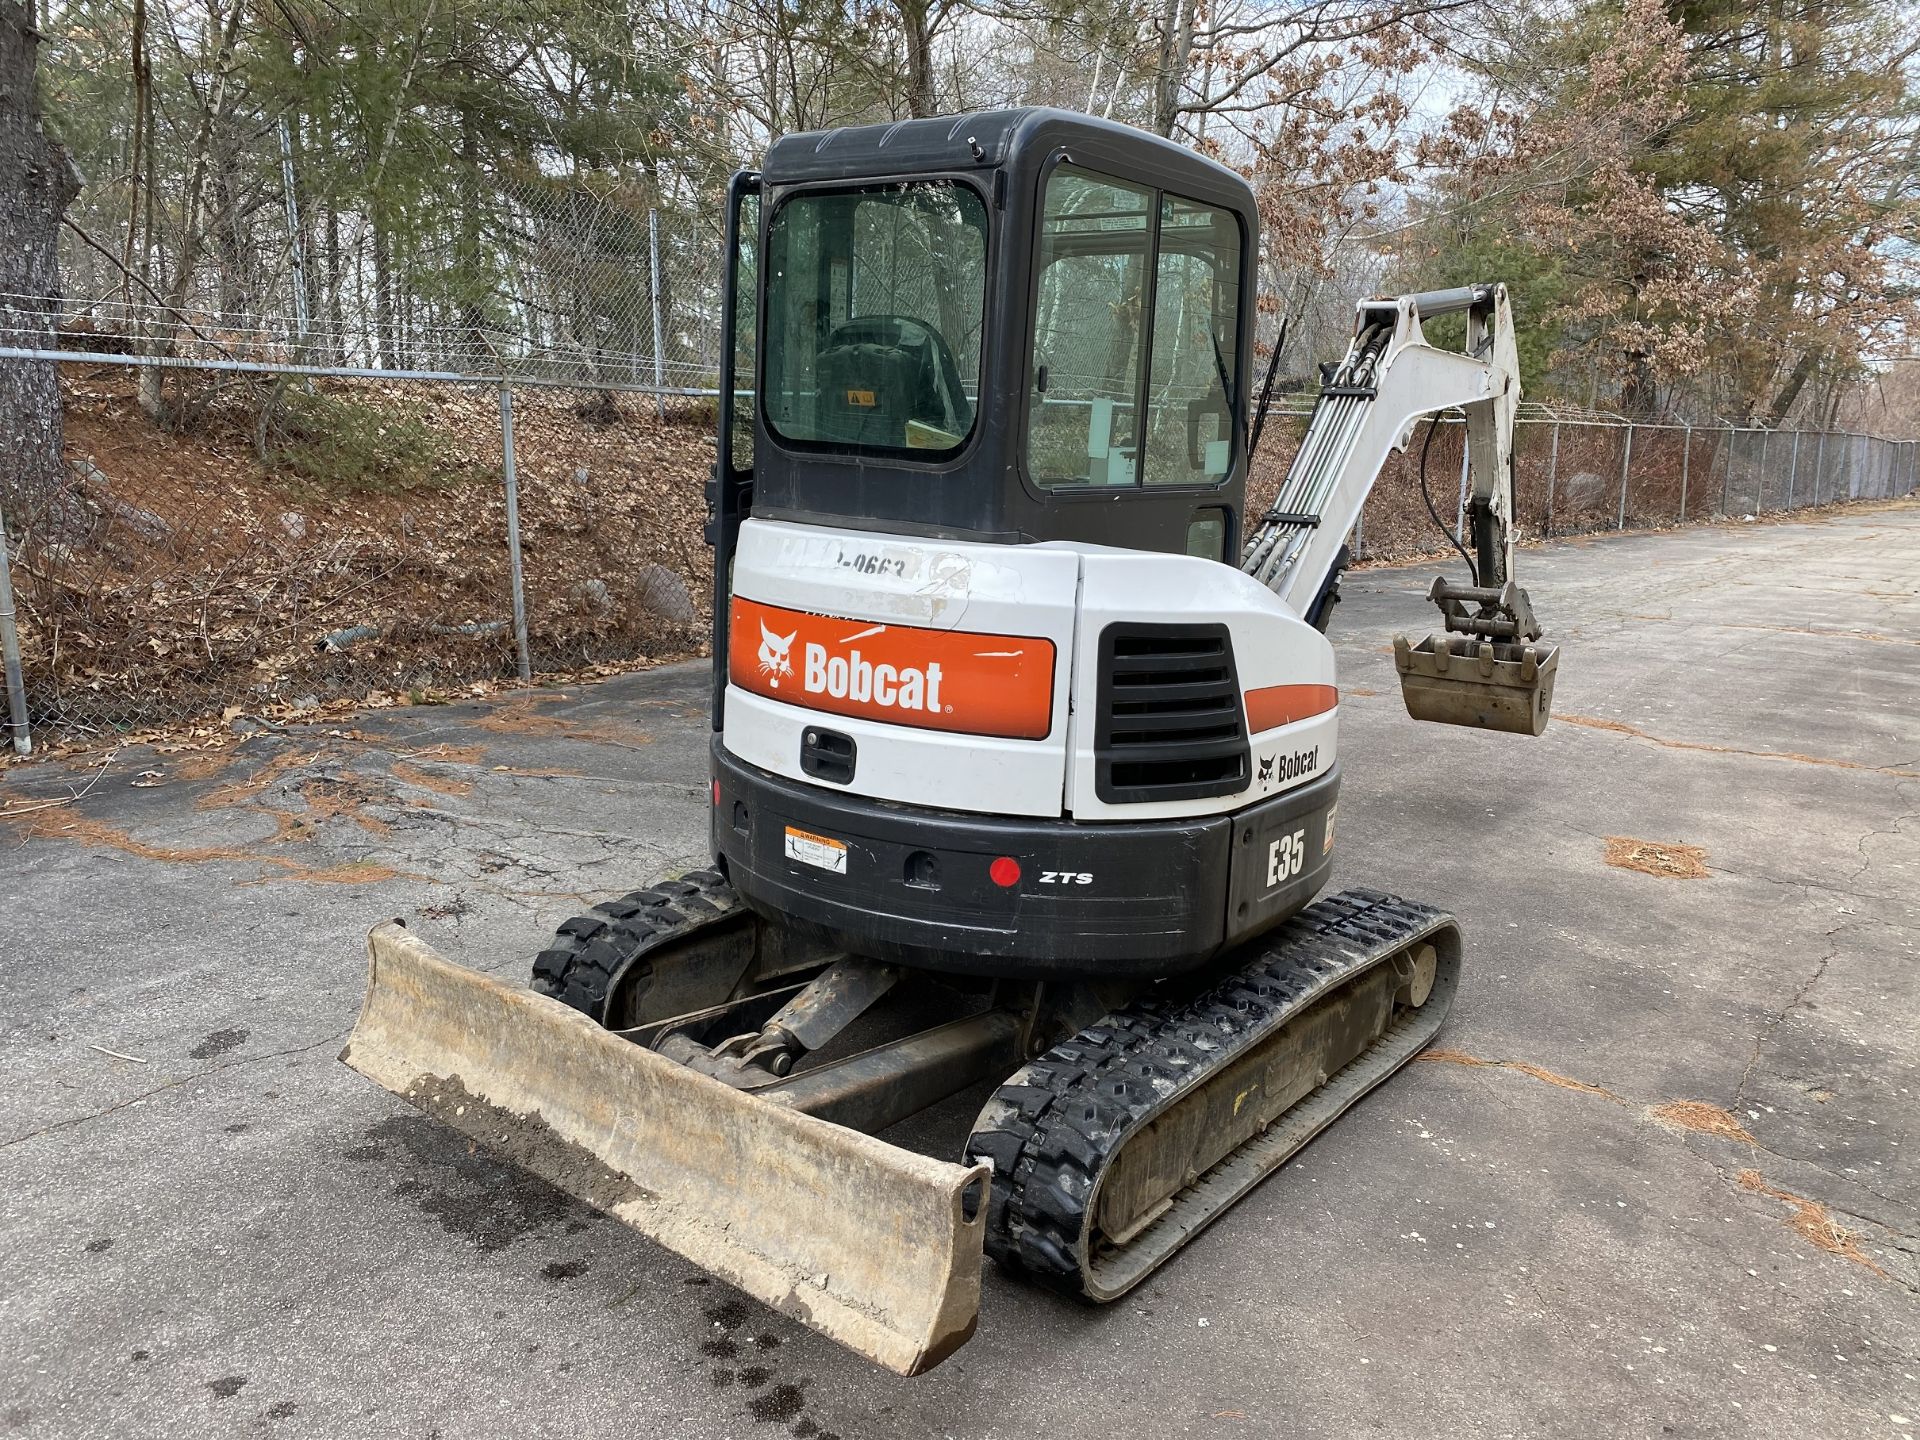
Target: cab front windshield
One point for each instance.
(875, 306)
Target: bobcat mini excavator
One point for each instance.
(1024, 756)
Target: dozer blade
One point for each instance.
(875, 1246)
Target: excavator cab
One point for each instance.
(1016, 327)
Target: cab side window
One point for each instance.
(1190, 378)
(1089, 336)
(1135, 337)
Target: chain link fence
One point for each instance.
(325, 468)
(1578, 476)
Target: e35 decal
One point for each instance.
(1286, 857)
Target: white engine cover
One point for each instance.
(966, 674)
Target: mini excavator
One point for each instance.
(1025, 750)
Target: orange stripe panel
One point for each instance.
(1273, 705)
(960, 681)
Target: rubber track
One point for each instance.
(592, 952)
(1052, 1128)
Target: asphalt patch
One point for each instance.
(218, 1043)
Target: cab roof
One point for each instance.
(995, 140)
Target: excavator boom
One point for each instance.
(1484, 671)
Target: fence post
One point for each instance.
(10, 644)
(1727, 471)
(1553, 467)
(1686, 468)
(653, 275)
(513, 533)
(1819, 462)
(1626, 463)
(1760, 493)
(1793, 470)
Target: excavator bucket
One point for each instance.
(877, 1247)
(1477, 683)
(1488, 670)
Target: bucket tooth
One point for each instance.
(875, 1246)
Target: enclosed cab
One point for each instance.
(991, 693)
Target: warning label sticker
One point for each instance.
(819, 851)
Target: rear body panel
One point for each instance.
(902, 713)
(1085, 901)
(1014, 633)
(860, 585)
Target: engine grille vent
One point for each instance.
(1170, 723)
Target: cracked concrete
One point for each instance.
(258, 1242)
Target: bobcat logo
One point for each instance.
(1266, 770)
(775, 660)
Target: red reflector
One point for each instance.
(1004, 872)
(716, 792)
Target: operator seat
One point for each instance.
(880, 372)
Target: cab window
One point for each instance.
(1089, 331)
(875, 303)
(1118, 397)
(1196, 309)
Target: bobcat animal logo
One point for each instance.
(1266, 769)
(775, 659)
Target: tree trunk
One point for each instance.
(1790, 389)
(468, 266)
(1170, 71)
(919, 38)
(39, 179)
(194, 226)
(1639, 391)
(143, 174)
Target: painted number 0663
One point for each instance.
(1286, 857)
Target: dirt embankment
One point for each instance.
(367, 551)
